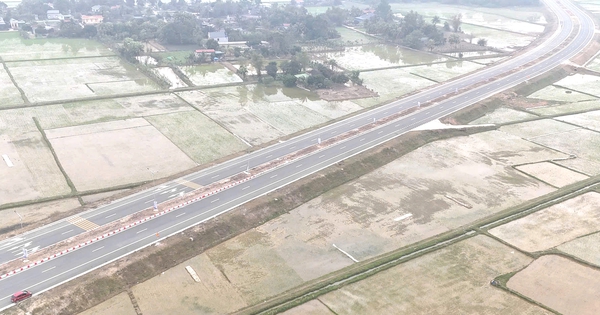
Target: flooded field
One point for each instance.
(352, 37)
(260, 114)
(168, 74)
(212, 74)
(14, 48)
(379, 56)
(506, 41)
(88, 77)
(528, 23)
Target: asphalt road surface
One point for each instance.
(86, 259)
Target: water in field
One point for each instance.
(210, 74)
(13, 48)
(379, 56)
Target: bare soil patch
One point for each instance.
(452, 280)
(588, 52)
(554, 225)
(343, 92)
(34, 174)
(118, 305)
(561, 284)
(552, 174)
(175, 292)
(98, 155)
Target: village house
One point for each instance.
(92, 19)
(97, 9)
(219, 36)
(54, 15)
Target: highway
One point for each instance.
(86, 259)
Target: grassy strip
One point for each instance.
(62, 58)
(159, 79)
(23, 96)
(473, 112)
(62, 170)
(182, 76)
(530, 86)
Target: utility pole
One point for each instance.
(153, 191)
(20, 217)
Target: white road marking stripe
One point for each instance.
(215, 200)
(292, 148)
(380, 132)
(412, 118)
(363, 139)
(321, 156)
(215, 176)
(112, 215)
(49, 269)
(342, 148)
(298, 165)
(97, 249)
(245, 187)
(66, 232)
(177, 216)
(140, 231)
(268, 156)
(273, 176)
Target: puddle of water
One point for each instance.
(168, 74)
(210, 74)
(379, 56)
(13, 47)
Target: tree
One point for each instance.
(454, 40)
(289, 80)
(292, 67)
(354, 77)
(130, 49)
(340, 78)
(435, 20)
(242, 72)
(257, 62)
(446, 26)
(272, 69)
(304, 60)
(89, 31)
(332, 63)
(482, 42)
(212, 44)
(184, 30)
(456, 22)
(383, 10)
(413, 40)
